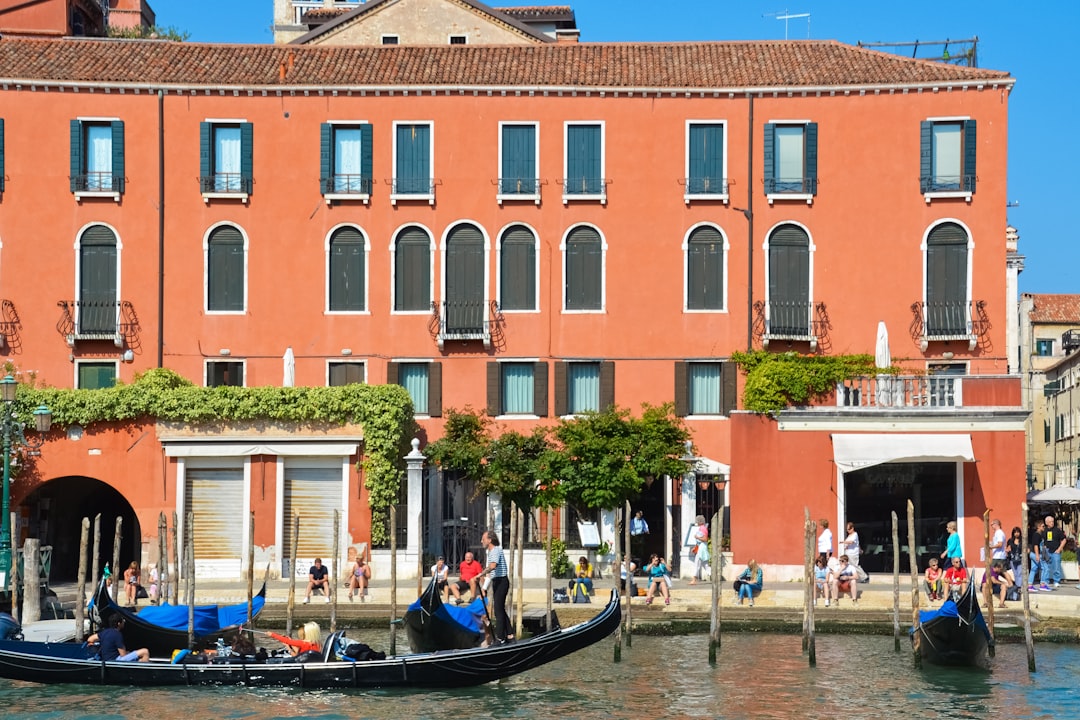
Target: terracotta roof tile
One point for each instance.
(536, 11)
(1055, 308)
(723, 65)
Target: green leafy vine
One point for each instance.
(775, 381)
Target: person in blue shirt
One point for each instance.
(952, 545)
(111, 640)
(657, 571)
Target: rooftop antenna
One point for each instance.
(786, 17)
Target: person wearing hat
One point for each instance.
(440, 571)
(700, 537)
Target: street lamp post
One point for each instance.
(13, 435)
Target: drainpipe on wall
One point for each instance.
(749, 213)
(161, 231)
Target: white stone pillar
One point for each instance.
(414, 463)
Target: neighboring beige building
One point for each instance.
(1050, 337)
(418, 22)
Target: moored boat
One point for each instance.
(68, 663)
(433, 625)
(955, 633)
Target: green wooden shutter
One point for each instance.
(206, 156)
(391, 373)
(413, 159)
(366, 151)
(705, 270)
(246, 153)
(946, 280)
(518, 170)
(970, 146)
(561, 396)
(698, 171)
(682, 390)
(583, 166)
(347, 270)
(97, 281)
(517, 270)
(926, 156)
(494, 389)
(540, 389)
(1, 155)
(811, 147)
(729, 387)
(465, 278)
(607, 385)
(769, 163)
(412, 273)
(78, 166)
(789, 281)
(225, 270)
(583, 270)
(326, 157)
(435, 389)
(117, 127)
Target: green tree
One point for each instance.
(464, 444)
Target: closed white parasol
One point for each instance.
(289, 375)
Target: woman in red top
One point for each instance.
(309, 635)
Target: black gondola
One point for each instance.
(433, 625)
(956, 633)
(161, 629)
(67, 663)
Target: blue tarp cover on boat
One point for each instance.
(469, 616)
(209, 619)
(948, 609)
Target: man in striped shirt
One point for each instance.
(495, 566)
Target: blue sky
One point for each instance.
(1034, 44)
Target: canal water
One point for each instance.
(756, 676)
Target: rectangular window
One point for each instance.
(518, 150)
(705, 388)
(413, 151)
(225, 372)
(97, 157)
(947, 157)
(389, 39)
(584, 162)
(583, 387)
(344, 373)
(95, 375)
(791, 160)
(705, 165)
(414, 378)
(225, 158)
(345, 157)
(459, 39)
(1044, 347)
(517, 388)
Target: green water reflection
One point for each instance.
(757, 676)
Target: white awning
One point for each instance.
(854, 452)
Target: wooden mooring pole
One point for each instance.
(896, 582)
(717, 583)
(117, 571)
(393, 579)
(914, 563)
(95, 558)
(189, 573)
(988, 587)
(1026, 568)
(291, 604)
(809, 641)
(80, 604)
(251, 566)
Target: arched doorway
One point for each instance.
(53, 513)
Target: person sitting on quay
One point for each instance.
(749, 583)
(112, 643)
(308, 638)
(468, 569)
(657, 571)
(1001, 579)
(846, 580)
(359, 578)
(932, 580)
(318, 579)
(822, 586)
(583, 573)
(956, 578)
(131, 583)
(440, 575)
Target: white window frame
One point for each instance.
(808, 197)
(389, 36)
(118, 340)
(352, 197)
(416, 361)
(686, 268)
(206, 269)
(95, 361)
(965, 194)
(593, 197)
(367, 271)
(432, 252)
(690, 390)
(206, 369)
(923, 248)
(689, 196)
(451, 36)
(599, 393)
(603, 272)
(80, 194)
(502, 396)
(429, 196)
(533, 197)
(812, 250)
(345, 361)
(224, 194)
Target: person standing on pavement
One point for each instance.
(851, 545)
(1055, 543)
(824, 540)
(952, 545)
(997, 541)
(498, 570)
(1038, 558)
(1014, 554)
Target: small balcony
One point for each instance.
(585, 188)
(346, 187)
(949, 321)
(98, 184)
(791, 321)
(1070, 341)
(901, 391)
(947, 186)
(804, 188)
(518, 188)
(412, 188)
(225, 185)
(112, 320)
(466, 320)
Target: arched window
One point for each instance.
(225, 270)
(947, 307)
(347, 272)
(584, 282)
(517, 269)
(789, 281)
(98, 292)
(705, 269)
(412, 270)
(465, 311)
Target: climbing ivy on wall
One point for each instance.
(775, 381)
(384, 411)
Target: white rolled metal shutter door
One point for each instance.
(313, 490)
(216, 497)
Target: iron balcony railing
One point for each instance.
(104, 182)
(584, 186)
(465, 320)
(901, 391)
(946, 183)
(225, 183)
(795, 186)
(947, 320)
(113, 320)
(519, 186)
(789, 319)
(412, 186)
(706, 185)
(346, 185)
(1070, 340)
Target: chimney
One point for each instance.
(567, 36)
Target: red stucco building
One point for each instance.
(530, 230)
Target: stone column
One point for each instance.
(414, 462)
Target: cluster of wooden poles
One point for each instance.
(811, 528)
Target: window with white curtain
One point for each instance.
(414, 378)
(703, 381)
(583, 387)
(99, 151)
(790, 158)
(517, 388)
(347, 169)
(947, 150)
(227, 159)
